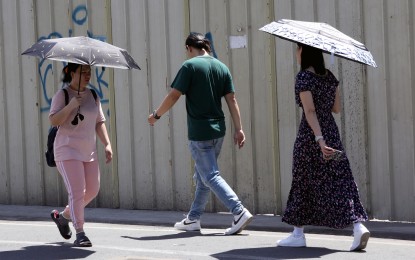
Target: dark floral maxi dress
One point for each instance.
(323, 192)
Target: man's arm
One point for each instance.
(167, 103)
(239, 136)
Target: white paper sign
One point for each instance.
(237, 42)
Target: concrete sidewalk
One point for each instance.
(380, 229)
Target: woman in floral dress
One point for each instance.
(323, 191)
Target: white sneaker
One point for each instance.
(292, 241)
(240, 221)
(361, 236)
(188, 225)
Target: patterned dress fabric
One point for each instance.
(323, 192)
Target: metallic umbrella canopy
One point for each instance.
(321, 36)
(83, 50)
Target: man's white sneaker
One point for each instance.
(240, 221)
(188, 225)
(292, 241)
(361, 236)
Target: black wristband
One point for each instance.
(155, 115)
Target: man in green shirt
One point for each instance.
(205, 80)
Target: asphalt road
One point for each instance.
(41, 240)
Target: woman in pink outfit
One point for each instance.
(79, 121)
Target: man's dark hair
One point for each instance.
(199, 41)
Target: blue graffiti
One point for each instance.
(102, 38)
(100, 81)
(79, 17)
(43, 82)
(80, 9)
(50, 36)
(210, 38)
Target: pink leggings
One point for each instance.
(82, 183)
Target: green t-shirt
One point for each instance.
(204, 80)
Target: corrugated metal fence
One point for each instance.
(152, 168)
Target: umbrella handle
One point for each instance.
(80, 75)
(332, 55)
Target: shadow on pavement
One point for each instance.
(276, 253)
(47, 252)
(173, 236)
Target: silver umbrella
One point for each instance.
(85, 51)
(82, 50)
(321, 36)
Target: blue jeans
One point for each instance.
(207, 177)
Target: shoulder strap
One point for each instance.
(94, 93)
(66, 96)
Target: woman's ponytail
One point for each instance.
(66, 72)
